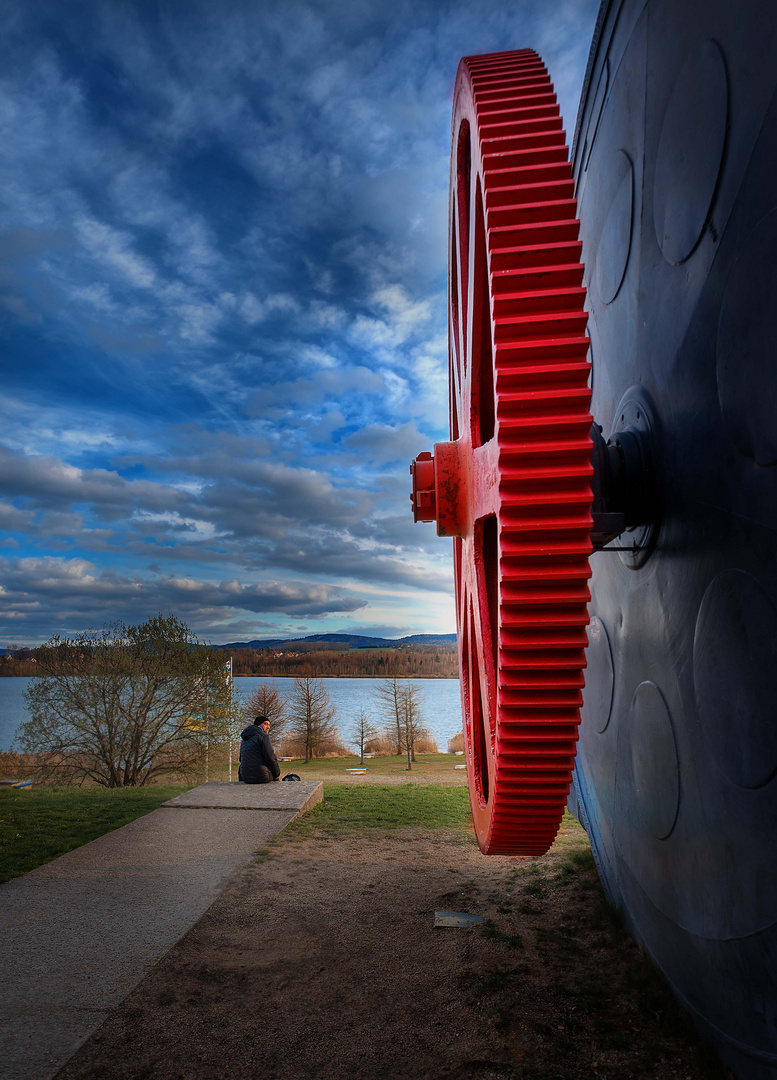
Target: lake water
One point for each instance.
(440, 703)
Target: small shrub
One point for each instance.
(456, 743)
(331, 747)
(381, 745)
(16, 766)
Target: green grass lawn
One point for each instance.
(425, 765)
(348, 809)
(38, 825)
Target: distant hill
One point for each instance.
(352, 641)
(429, 639)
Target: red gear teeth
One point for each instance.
(519, 375)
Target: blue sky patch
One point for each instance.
(223, 306)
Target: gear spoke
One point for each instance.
(485, 480)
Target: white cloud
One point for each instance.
(254, 310)
(80, 594)
(113, 249)
(222, 264)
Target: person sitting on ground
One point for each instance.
(258, 763)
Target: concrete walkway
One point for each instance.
(79, 933)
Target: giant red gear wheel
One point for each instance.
(675, 776)
(520, 422)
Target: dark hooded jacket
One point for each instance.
(256, 750)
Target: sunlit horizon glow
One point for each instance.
(223, 307)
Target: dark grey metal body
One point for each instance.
(675, 160)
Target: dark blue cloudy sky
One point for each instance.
(222, 305)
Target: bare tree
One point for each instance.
(361, 731)
(312, 715)
(388, 699)
(412, 723)
(266, 701)
(122, 705)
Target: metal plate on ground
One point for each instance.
(455, 918)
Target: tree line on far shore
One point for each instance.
(324, 661)
(305, 660)
(123, 706)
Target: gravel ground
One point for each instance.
(321, 961)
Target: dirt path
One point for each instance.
(321, 961)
